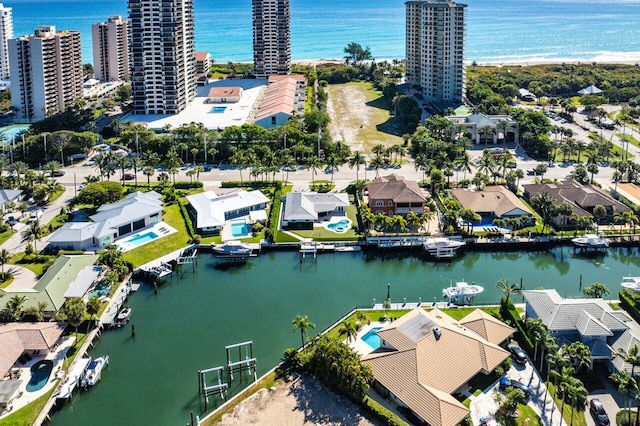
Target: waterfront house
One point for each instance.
(68, 277)
(426, 357)
(284, 96)
(392, 195)
(303, 209)
(582, 198)
(494, 201)
(112, 221)
(475, 124)
(18, 338)
(211, 211)
(590, 321)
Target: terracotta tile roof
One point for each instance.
(489, 327)
(426, 356)
(495, 199)
(202, 56)
(280, 96)
(17, 337)
(396, 188)
(222, 92)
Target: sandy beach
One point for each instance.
(300, 401)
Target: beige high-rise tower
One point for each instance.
(6, 33)
(271, 38)
(46, 72)
(436, 33)
(111, 49)
(163, 62)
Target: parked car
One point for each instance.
(11, 220)
(57, 173)
(505, 383)
(598, 413)
(128, 176)
(488, 421)
(517, 353)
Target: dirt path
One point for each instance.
(301, 401)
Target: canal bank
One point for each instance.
(185, 326)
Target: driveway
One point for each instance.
(612, 400)
(540, 400)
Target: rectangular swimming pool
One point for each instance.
(136, 240)
(371, 338)
(240, 229)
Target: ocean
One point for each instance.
(497, 30)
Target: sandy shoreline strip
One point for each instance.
(627, 60)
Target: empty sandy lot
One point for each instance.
(353, 121)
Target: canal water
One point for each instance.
(185, 326)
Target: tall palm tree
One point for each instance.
(628, 386)
(543, 203)
(136, 164)
(4, 259)
(313, 163)
(508, 289)
(347, 328)
(13, 309)
(564, 210)
(575, 390)
(148, 171)
(75, 310)
(32, 234)
(355, 161)
(537, 330)
(37, 311)
(630, 356)
(302, 323)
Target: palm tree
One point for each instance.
(628, 386)
(75, 310)
(537, 330)
(596, 290)
(4, 259)
(575, 390)
(464, 164)
(564, 210)
(579, 354)
(13, 309)
(508, 289)
(631, 356)
(52, 167)
(543, 203)
(148, 171)
(313, 163)
(32, 234)
(136, 164)
(355, 161)
(302, 323)
(37, 311)
(347, 328)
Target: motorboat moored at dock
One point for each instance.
(462, 290)
(592, 241)
(123, 317)
(72, 379)
(442, 247)
(94, 371)
(632, 283)
(232, 248)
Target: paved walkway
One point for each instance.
(23, 278)
(540, 401)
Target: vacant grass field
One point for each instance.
(360, 116)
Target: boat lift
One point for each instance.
(206, 390)
(247, 364)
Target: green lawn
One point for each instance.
(31, 262)
(165, 245)
(526, 416)
(578, 414)
(320, 233)
(28, 414)
(628, 138)
(8, 279)
(4, 236)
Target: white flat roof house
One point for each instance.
(136, 211)
(212, 210)
(311, 207)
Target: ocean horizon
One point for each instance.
(497, 30)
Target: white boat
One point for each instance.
(462, 289)
(348, 248)
(94, 371)
(590, 241)
(632, 283)
(72, 379)
(442, 246)
(123, 317)
(232, 248)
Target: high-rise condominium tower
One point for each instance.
(111, 49)
(46, 72)
(271, 38)
(6, 33)
(436, 48)
(162, 55)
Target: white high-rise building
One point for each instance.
(162, 67)
(6, 33)
(111, 49)
(46, 72)
(436, 33)
(271, 38)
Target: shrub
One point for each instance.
(99, 193)
(383, 414)
(188, 185)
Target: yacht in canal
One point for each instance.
(94, 371)
(232, 248)
(462, 291)
(632, 283)
(442, 247)
(592, 241)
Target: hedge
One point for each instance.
(510, 314)
(250, 184)
(188, 185)
(274, 215)
(381, 413)
(629, 303)
(187, 219)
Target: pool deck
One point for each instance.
(58, 357)
(161, 229)
(359, 345)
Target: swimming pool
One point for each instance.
(218, 109)
(100, 290)
(137, 240)
(40, 372)
(371, 338)
(341, 226)
(240, 229)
